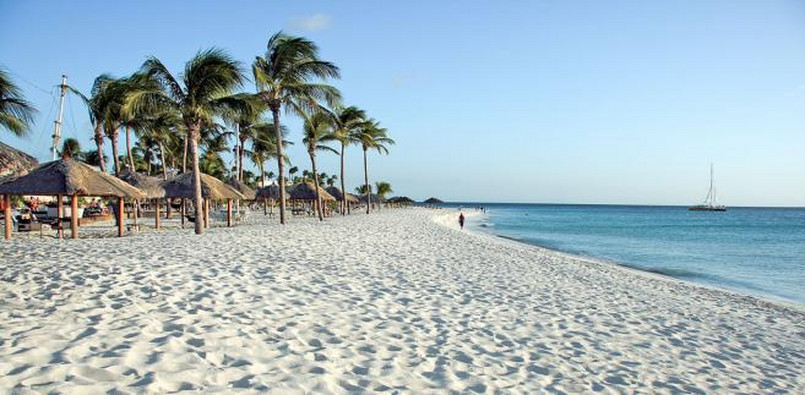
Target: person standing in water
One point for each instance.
(461, 220)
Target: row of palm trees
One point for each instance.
(186, 115)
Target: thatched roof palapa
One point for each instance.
(433, 200)
(307, 191)
(241, 187)
(336, 192)
(150, 186)
(14, 163)
(181, 186)
(69, 177)
(401, 200)
(375, 198)
(271, 192)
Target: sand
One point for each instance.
(395, 301)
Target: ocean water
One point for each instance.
(759, 251)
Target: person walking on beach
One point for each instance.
(461, 220)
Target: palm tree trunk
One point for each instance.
(128, 147)
(194, 134)
(164, 164)
(184, 156)
(240, 160)
(114, 152)
(99, 145)
(343, 187)
(316, 182)
(275, 110)
(366, 180)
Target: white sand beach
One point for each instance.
(397, 300)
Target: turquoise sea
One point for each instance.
(760, 251)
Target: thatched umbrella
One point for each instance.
(241, 187)
(72, 178)
(375, 199)
(433, 200)
(270, 194)
(212, 188)
(401, 200)
(336, 192)
(14, 163)
(150, 186)
(306, 192)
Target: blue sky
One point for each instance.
(517, 101)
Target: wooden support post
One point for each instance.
(74, 215)
(60, 215)
(206, 212)
(229, 212)
(157, 218)
(7, 213)
(120, 215)
(168, 208)
(184, 211)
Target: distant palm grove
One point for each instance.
(183, 120)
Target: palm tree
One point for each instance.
(93, 158)
(202, 93)
(283, 78)
(348, 122)
(317, 130)
(98, 106)
(293, 170)
(71, 149)
(264, 148)
(383, 189)
(164, 129)
(16, 113)
(371, 136)
(246, 122)
(115, 95)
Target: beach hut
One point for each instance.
(433, 200)
(400, 201)
(241, 187)
(351, 200)
(212, 188)
(305, 193)
(269, 195)
(150, 186)
(14, 163)
(72, 178)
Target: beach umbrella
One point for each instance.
(433, 200)
(336, 193)
(14, 163)
(72, 178)
(271, 192)
(150, 186)
(307, 191)
(403, 200)
(241, 187)
(212, 188)
(375, 199)
(268, 194)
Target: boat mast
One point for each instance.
(58, 122)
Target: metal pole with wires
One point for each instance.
(58, 122)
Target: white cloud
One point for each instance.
(312, 23)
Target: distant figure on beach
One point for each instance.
(461, 220)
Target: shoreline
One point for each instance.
(761, 297)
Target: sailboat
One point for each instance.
(710, 203)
